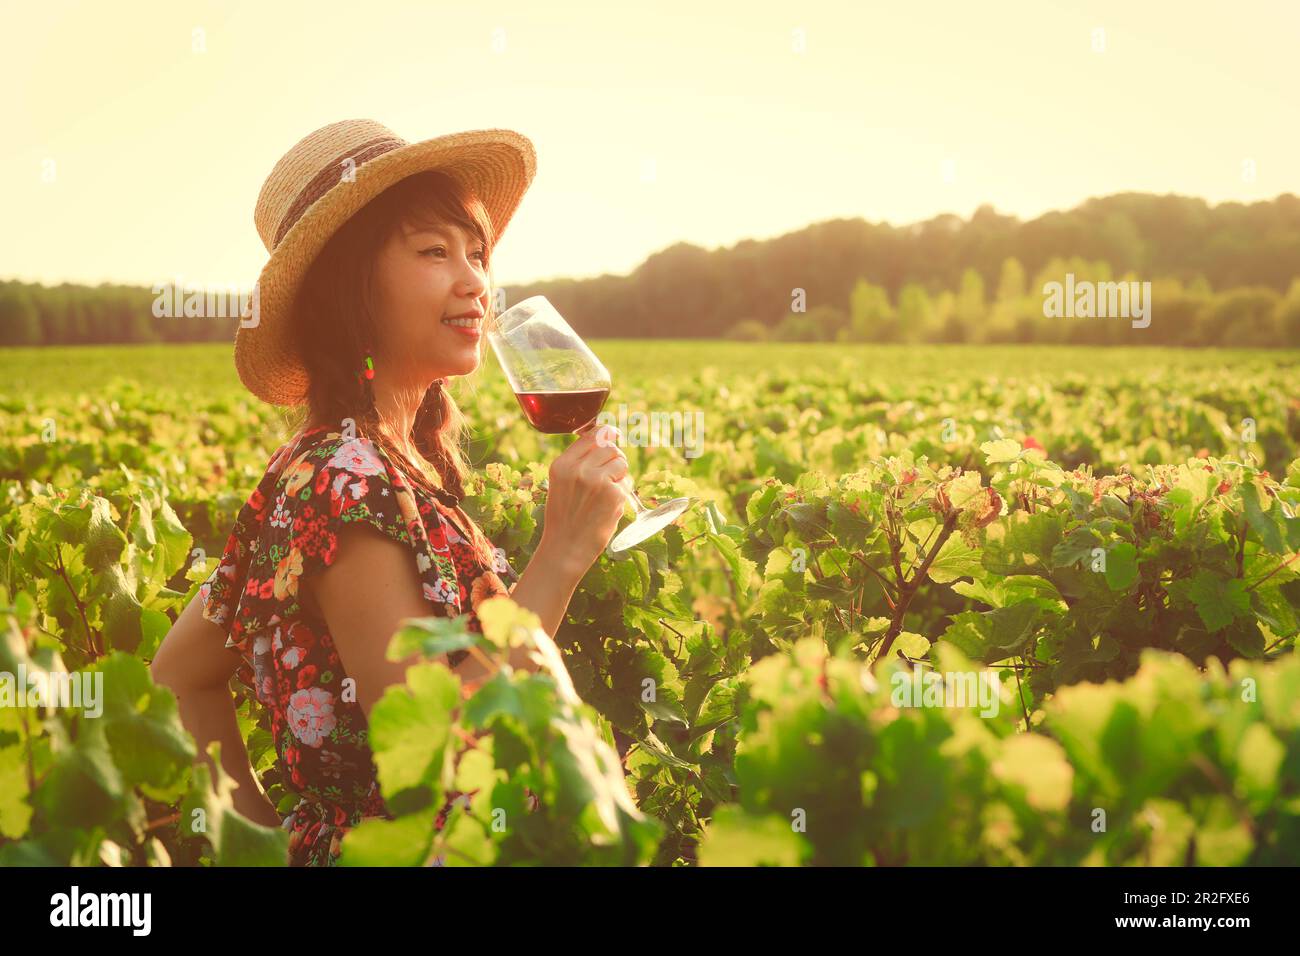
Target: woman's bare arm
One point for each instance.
(372, 586)
(546, 587)
(195, 665)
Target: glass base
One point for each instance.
(648, 524)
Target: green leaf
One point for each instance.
(430, 637)
(913, 645)
(142, 724)
(410, 727)
(1246, 638)
(1113, 507)
(122, 625)
(1121, 566)
(236, 840)
(1218, 600)
(83, 787)
(653, 745)
(1077, 546)
(1265, 523)
(1001, 451)
(630, 577)
(994, 635)
(154, 626)
(741, 568)
(808, 519)
(762, 503)
(849, 528)
(1273, 608)
(1021, 543)
(955, 559)
(1037, 766)
(104, 540)
(666, 688)
(405, 841)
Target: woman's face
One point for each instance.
(423, 277)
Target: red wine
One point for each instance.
(560, 413)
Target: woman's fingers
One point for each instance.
(616, 467)
(603, 456)
(602, 438)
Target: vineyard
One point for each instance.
(937, 605)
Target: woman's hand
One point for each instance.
(585, 498)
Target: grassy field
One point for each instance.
(210, 367)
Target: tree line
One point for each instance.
(1220, 275)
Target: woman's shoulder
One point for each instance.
(323, 447)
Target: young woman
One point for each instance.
(376, 294)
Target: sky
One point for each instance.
(136, 136)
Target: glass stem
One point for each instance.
(636, 502)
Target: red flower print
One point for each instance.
(307, 676)
(309, 540)
(322, 480)
(302, 637)
(327, 550)
(305, 518)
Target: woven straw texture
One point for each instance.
(325, 178)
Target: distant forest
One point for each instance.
(1226, 275)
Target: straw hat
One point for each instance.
(323, 180)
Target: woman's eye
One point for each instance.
(481, 253)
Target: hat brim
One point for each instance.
(496, 165)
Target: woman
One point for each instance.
(375, 294)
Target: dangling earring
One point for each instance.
(366, 376)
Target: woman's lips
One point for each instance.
(471, 331)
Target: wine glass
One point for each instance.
(561, 387)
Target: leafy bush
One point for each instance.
(1169, 767)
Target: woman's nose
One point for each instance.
(472, 285)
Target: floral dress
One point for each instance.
(287, 531)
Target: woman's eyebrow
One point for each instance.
(442, 231)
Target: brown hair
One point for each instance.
(334, 323)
